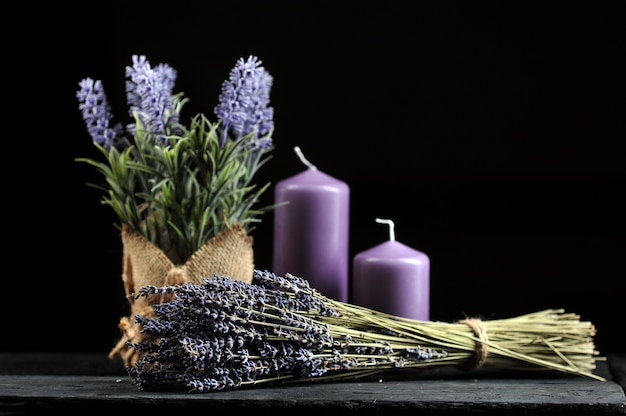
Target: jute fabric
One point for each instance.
(229, 254)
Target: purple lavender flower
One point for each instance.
(175, 183)
(226, 333)
(149, 96)
(96, 113)
(244, 103)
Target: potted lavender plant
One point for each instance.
(183, 194)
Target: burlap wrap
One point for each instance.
(228, 254)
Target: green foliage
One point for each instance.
(181, 193)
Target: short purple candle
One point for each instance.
(311, 230)
(393, 278)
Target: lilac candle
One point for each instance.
(393, 278)
(311, 230)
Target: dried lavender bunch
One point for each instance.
(224, 334)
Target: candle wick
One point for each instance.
(392, 234)
(303, 159)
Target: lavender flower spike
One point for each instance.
(149, 95)
(96, 112)
(244, 102)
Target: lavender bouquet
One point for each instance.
(180, 185)
(183, 193)
(226, 334)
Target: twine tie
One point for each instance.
(481, 351)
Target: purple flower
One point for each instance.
(244, 102)
(96, 113)
(226, 333)
(149, 95)
(174, 182)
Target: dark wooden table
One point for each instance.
(32, 383)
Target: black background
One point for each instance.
(490, 132)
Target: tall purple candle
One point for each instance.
(393, 278)
(311, 230)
